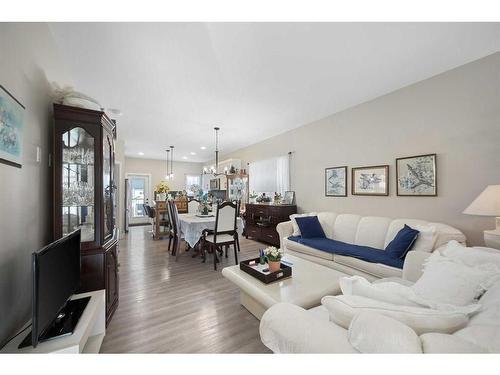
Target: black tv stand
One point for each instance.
(64, 324)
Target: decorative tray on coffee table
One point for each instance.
(257, 270)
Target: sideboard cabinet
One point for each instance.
(261, 220)
(84, 195)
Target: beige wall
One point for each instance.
(28, 62)
(455, 114)
(157, 170)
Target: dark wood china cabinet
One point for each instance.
(84, 194)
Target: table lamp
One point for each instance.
(488, 204)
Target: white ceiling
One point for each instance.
(175, 81)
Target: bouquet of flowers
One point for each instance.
(273, 254)
(162, 187)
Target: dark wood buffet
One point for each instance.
(261, 220)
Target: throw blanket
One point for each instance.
(397, 294)
(366, 253)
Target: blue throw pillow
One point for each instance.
(402, 243)
(310, 227)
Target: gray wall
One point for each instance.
(455, 114)
(28, 62)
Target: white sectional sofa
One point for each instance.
(287, 328)
(372, 231)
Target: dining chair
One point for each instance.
(225, 232)
(176, 230)
(193, 206)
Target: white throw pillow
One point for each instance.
(389, 292)
(296, 230)
(445, 281)
(342, 310)
(426, 238)
(376, 333)
(470, 256)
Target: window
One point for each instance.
(270, 175)
(192, 179)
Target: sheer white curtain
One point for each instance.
(270, 175)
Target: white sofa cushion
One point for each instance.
(287, 328)
(443, 343)
(296, 229)
(485, 336)
(375, 269)
(346, 227)
(376, 333)
(299, 248)
(426, 238)
(390, 292)
(372, 231)
(445, 281)
(327, 221)
(422, 320)
(470, 256)
(490, 308)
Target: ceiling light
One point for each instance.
(203, 147)
(193, 153)
(184, 157)
(141, 153)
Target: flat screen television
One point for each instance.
(56, 277)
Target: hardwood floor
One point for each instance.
(178, 307)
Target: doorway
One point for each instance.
(139, 186)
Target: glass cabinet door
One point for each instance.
(78, 208)
(107, 184)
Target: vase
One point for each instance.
(162, 196)
(274, 266)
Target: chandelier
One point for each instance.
(214, 169)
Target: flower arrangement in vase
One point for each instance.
(252, 197)
(273, 256)
(162, 189)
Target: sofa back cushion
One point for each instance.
(346, 227)
(327, 221)
(372, 231)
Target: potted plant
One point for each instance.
(252, 197)
(273, 256)
(162, 189)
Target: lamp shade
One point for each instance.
(487, 203)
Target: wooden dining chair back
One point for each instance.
(176, 229)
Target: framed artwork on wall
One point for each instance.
(289, 197)
(416, 176)
(336, 182)
(372, 180)
(11, 129)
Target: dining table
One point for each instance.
(192, 226)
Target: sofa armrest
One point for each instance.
(413, 265)
(285, 230)
(287, 328)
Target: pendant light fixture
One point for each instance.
(215, 169)
(167, 174)
(172, 162)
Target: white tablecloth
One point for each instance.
(192, 227)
